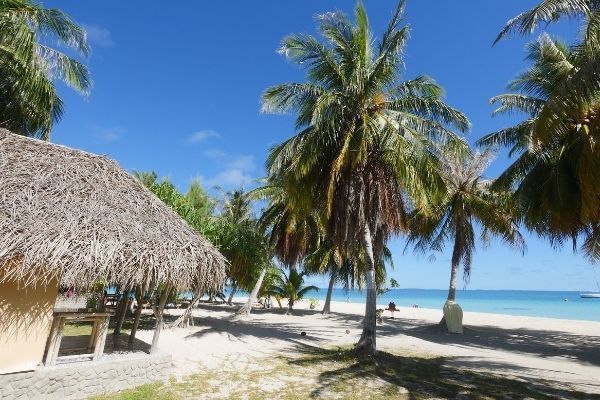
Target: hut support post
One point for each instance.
(159, 319)
(122, 311)
(138, 313)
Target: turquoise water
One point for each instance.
(510, 302)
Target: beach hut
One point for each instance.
(68, 217)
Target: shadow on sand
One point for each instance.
(541, 343)
(422, 378)
(538, 342)
(440, 377)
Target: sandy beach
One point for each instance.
(563, 354)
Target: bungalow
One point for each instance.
(71, 218)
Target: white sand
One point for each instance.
(563, 351)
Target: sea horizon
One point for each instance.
(530, 303)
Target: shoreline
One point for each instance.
(427, 314)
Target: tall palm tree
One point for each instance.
(467, 203)
(365, 138)
(557, 169)
(573, 101)
(29, 66)
(291, 286)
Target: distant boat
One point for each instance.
(590, 295)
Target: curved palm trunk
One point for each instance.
(367, 344)
(453, 280)
(234, 288)
(327, 306)
(122, 311)
(244, 311)
(455, 264)
(187, 318)
(159, 313)
(138, 313)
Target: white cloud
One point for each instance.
(98, 35)
(201, 136)
(237, 169)
(230, 178)
(108, 134)
(232, 161)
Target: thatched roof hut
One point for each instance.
(78, 217)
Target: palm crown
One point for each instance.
(291, 286)
(361, 130)
(28, 67)
(557, 172)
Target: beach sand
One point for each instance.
(565, 353)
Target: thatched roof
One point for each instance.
(79, 217)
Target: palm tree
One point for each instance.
(364, 140)
(325, 258)
(548, 11)
(293, 229)
(243, 244)
(570, 104)
(237, 206)
(467, 202)
(28, 65)
(557, 170)
(584, 82)
(291, 287)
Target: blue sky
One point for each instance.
(177, 88)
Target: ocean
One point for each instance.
(565, 305)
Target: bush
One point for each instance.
(313, 303)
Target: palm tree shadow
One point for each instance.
(538, 342)
(259, 329)
(421, 378)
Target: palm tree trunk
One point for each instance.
(290, 307)
(453, 280)
(367, 344)
(327, 306)
(455, 264)
(138, 313)
(158, 312)
(122, 312)
(234, 288)
(244, 311)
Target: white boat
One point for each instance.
(590, 295)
